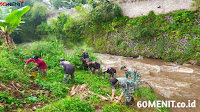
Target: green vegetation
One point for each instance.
(68, 4)
(6, 98)
(37, 14)
(11, 22)
(74, 30)
(12, 72)
(196, 3)
(32, 19)
(171, 37)
(68, 104)
(27, 32)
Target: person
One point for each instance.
(133, 75)
(39, 64)
(127, 87)
(84, 57)
(109, 70)
(69, 70)
(93, 66)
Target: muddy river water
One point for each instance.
(169, 81)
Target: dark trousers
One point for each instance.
(66, 77)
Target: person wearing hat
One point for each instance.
(69, 70)
(108, 70)
(84, 57)
(133, 75)
(39, 64)
(93, 66)
(127, 87)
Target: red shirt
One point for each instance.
(40, 63)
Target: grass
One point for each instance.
(68, 104)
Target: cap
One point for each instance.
(122, 67)
(113, 81)
(104, 69)
(35, 57)
(62, 59)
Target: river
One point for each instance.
(169, 81)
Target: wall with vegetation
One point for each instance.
(172, 37)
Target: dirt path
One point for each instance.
(170, 82)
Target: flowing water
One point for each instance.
(169, 81)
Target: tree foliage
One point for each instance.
(34, 17)
(103, 10)
(38, 13)
(10, 23)
(67, 3)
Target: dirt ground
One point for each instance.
(20, 92)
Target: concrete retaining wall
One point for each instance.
(134, 8)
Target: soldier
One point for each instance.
(68, 68)
(108, 70)
(127, 87)
(133, 75)
(93, 66)
(84, 57)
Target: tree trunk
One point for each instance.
(7, 40)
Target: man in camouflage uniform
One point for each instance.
(93, 66)
(133, 75)
(84, 57)
(127, 87)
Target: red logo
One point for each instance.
(19, 3)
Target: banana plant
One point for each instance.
(10, 23)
